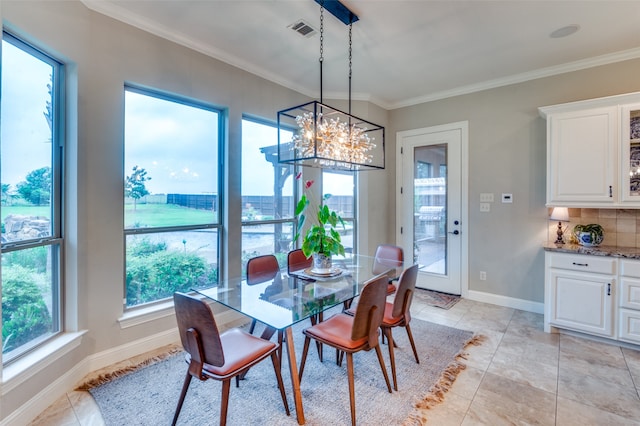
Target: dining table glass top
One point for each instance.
(296, 296)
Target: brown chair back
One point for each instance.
(262, 268)
(198, 330)
(404, 294)
(387, 257)
(296, 260)
(370, 309)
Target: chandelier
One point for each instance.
(315, 134)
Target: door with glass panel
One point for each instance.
(432, 226)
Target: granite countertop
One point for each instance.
(613, 251)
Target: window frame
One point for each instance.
(56, 238)
(218, 225)
(295, 188)
(352, 219)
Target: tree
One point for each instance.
(134, 186)
(36, 188)
(6, 195)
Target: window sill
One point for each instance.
(143, 315)
(31, 364)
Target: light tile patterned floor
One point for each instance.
(519, 375)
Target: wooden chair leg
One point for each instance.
(318, 344)
(224, 403)
(280, 341)
(384, 369)
(276, 367)
(392, 357)
(352, 395)
(413, 345)
(305, 350)
(253, 326)
(185, 387)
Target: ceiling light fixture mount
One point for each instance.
(565, 31)
(324, 136)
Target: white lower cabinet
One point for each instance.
(629, 314)
(580, 292)
(599, 295)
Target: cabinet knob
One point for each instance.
(609, 289)
(610, 191)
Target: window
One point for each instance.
(31, 165)
(172, 204)
(267, 194)
(341, 186)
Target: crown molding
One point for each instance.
(116, 12)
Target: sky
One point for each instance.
(175, 143)
(25, 134)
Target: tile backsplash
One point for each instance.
(621, 226)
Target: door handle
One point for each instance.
(456, 232)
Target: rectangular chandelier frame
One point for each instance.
(326, 137)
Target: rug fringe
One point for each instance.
(437, 392)
(106, 377)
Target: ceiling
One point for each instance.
(404, 51)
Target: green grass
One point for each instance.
(145, 215)
(25, 211)
(165, 215)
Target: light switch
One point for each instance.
(485, 207)
(486, 197)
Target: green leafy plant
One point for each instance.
(25, 316)
(155, 273)
(322, 236)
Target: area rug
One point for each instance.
(436, 298)
(148, 395)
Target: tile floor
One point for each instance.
(519, 375)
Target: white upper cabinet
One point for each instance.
(592, 158)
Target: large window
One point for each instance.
(267, 194)
(341, 186)
(172, 198)
(31, 158)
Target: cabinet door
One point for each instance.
(630, 155)
(582, 157)
(629, 329)
(581, 301)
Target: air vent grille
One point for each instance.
(303, 28)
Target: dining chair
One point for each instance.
(397, 314)
(351, 334)
(260, 269)
(386, 259)
(212, 355)
(296, 260)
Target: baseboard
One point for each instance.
(68, 381)
(508, 302)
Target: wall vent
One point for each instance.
(303, 28)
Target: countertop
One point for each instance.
(612, 251)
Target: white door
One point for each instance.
(432, 204)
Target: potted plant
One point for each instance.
(321, 240)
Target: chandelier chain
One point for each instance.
(350, 61)
(321, 44)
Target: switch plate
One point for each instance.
(485, 207)
(483, 275)
(486, 197)
(507, 198)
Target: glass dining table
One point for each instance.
(299, 295)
